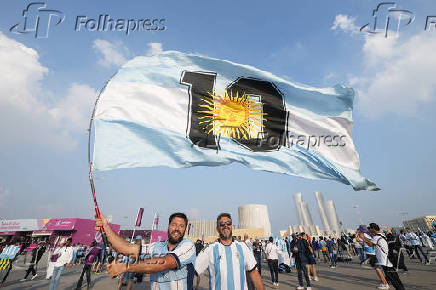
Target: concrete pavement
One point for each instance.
(345, 276)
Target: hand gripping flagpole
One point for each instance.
(91, 180)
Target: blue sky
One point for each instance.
(49, 86)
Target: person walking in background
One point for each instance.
(332, 247)
(90, 257)
(428, 240)
(301, 254)
(323, 246)
(396, 251)
(61, 257)
(311, 264)
(7, 258)
(406, 244)
(257, 251)
(272, 257)
(288, 246)
(359, 249)
(36, 256)
(315, 248)
(416, 245)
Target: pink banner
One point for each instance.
(139, 217)
(157, 236)
(61, 224)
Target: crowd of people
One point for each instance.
(232, 262)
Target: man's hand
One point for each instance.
(100, 222)
(114, 269)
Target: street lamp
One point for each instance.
(358, 213)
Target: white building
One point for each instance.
(254, 216)
(201, 228)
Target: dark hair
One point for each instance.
(178, 215)
(374, 226)
(221, 215)
(270, 239)
(70, 240)
(93, 244)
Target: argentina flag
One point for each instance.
(182, 110)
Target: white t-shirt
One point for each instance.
(381, 250)
(66, 255)
(271, 251)
(227, 265)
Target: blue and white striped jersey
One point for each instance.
(180, 278)
(9, 252)
(227, 265)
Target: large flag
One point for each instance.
(181, 110)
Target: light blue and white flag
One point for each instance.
(181, 110)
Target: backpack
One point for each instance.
(390, 255)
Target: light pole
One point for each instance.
(358, 213)
(404, 215)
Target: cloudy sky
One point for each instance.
(49, 86)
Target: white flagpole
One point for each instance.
(152, 227)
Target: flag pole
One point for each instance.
(91, 179)
(137, 222)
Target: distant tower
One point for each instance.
(306, 214)
(302, 210)
(332, 216)
(322, 211)
(254, 216)
(298, 201)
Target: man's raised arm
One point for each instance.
(148, 266)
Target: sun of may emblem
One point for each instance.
(238, 117)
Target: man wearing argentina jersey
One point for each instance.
(228, 260)
(7, 258)
(170, 262)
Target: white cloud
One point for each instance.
(24, 117)
(345, 23)
(399, 75)
(194, 213)
(74, 111)
(154, 48)
(113, 54)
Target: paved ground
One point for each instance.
(345, 276)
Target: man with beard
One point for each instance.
(171, 262)
(228, 260)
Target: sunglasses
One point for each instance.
(228, 223)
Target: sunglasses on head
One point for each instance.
(227, 223)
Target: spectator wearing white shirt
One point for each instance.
(272, 257)
(380, 244)
(61, 257)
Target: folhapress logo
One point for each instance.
(37, 19)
